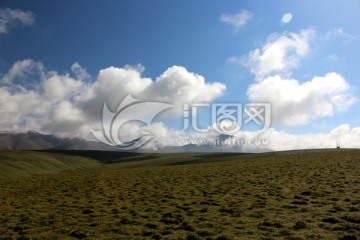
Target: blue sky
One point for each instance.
(192, 34)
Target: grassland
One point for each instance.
(294, 195)
(26, 163)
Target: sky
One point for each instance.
(61, 61)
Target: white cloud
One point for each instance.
(349, 138)
(341, 130)
(175, 86)
(273, 140)
(340, 33)
(10, 17)
(280, 54)
(295, 103)
(80, 72)
(111, 86)
(237, 20)
(21, 71)
(178, 86)
(68, 105)
(60, 87)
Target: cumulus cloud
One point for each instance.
(61, 87)
(30, 95)
(178, 86)
(175, 86)
(237, 20)
(69, 105)
(280, 54)
(295, 103)
(10, 17)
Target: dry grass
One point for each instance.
(305, 196)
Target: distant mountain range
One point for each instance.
(37, 141)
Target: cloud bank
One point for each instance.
(32, 98)
(249, 141)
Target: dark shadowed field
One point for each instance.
(288, 195)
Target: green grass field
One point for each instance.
(106, 195)
(26, 163)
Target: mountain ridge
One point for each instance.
(32, 140)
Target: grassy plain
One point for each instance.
(289, 195)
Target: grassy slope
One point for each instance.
(24, 163)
